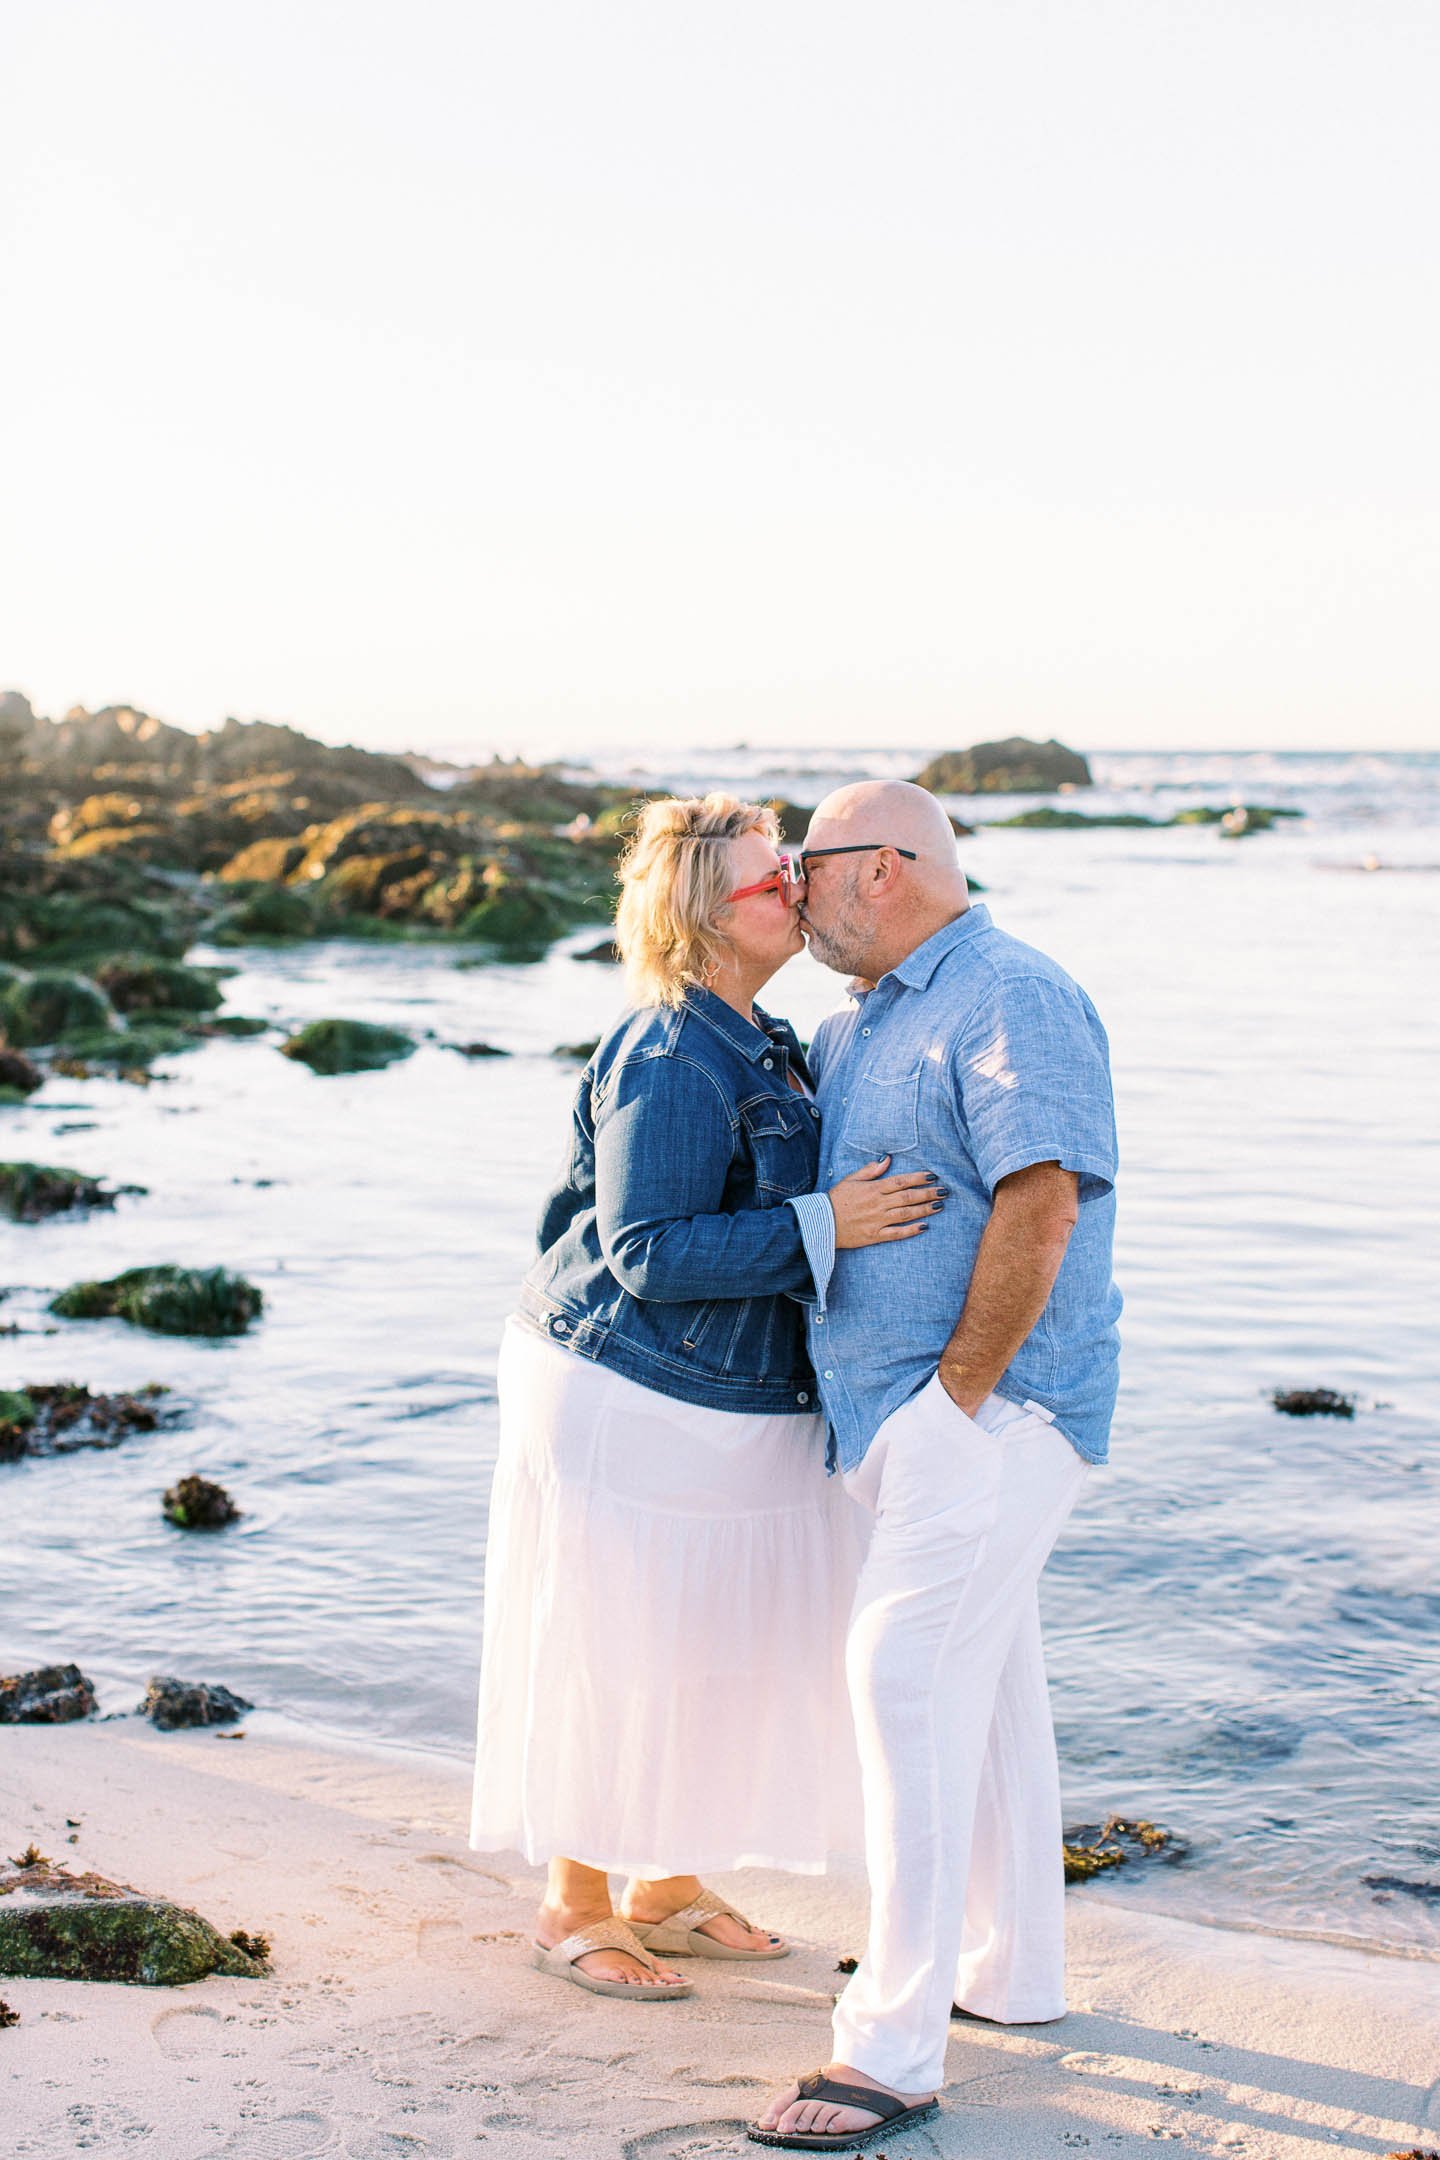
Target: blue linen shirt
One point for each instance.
(975, 1057)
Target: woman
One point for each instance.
(669, 1573)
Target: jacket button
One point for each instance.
(560, 1326)
(802, 1396)
(768, 1063)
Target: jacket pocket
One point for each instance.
(701, 1322)
(782, 1138)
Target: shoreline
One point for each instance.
(284, 1729)
(403, 2016)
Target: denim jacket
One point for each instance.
(666, 1251)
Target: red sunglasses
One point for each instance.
(788, 878)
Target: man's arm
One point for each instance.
(1032, 1216)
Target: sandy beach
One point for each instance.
(403, 2017)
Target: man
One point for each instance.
(968, 1377)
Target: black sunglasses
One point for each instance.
(861, 847)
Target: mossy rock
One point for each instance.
(1259, 816)
(58, 1926)
(65, 1417)
(1016, 766)
(518, 917)
(273, 911)
(54, 914)
(239, 1025)
(346, 1046)
(140, 983)
(169, 1300)
(131, 1047)
(197, 1503)
(30, 1191)
(17, 1415)
(50, 1005)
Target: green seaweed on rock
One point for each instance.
(196, 1503)
(140, 982)
(131, 1048)
(518, 917)
(17, 1415)
(171, 1300)
(84, 1927)
(50, 1005)
(345, 1046)
(30, 1191)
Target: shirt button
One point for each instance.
(828, 1376)
(560, 1326)
(819, 1319)
(802, 1396)
(864, 1031)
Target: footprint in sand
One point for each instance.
(686, 2141)
(188, 2032)
(464, 1874)
(302, 2136)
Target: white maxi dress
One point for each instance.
(667, 1589)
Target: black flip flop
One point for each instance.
(894, 2115)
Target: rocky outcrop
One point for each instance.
(1016, 766)
(59, 1926)
(55, 913)
(173, 1704)
(170, 1300)
(1048, 820)
(51, 1695)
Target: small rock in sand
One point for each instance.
(51, 1695)
(171, 1704)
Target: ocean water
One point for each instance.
(1243, 1616)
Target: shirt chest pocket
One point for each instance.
(883, 1115)
(782, 1139)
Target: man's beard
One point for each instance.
(840, 945)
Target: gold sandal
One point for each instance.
(606, 1935)
(680, 1935)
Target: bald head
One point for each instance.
(894, 811)
(865, 910)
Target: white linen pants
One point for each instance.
(952, 1717)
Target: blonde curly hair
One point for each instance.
(674, 878)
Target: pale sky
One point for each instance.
(459, 376)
